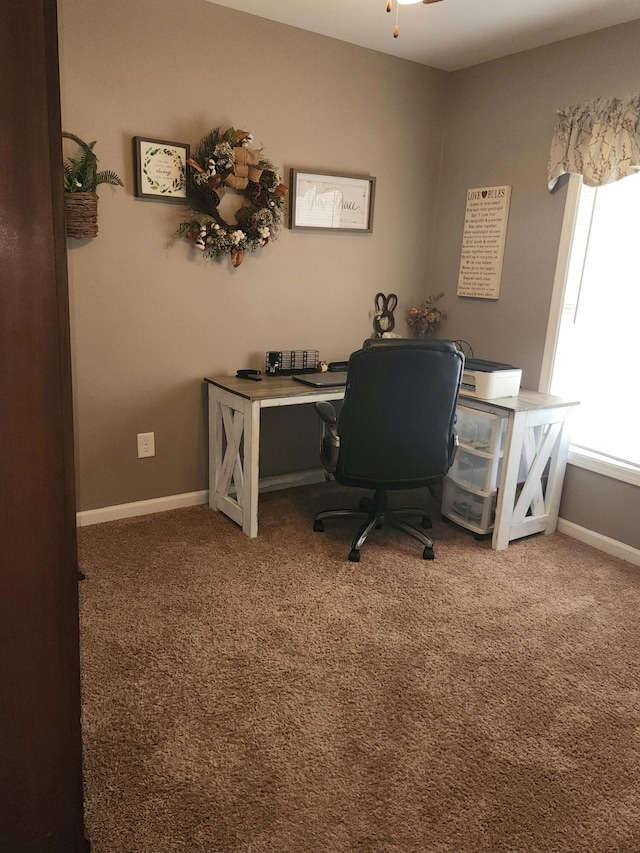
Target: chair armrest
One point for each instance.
(329, 439)
(326, 412)
(453, 449)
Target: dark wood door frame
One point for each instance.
(40, 739)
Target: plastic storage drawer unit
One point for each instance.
(480, 431)
(471, 486)
(477, 471)
(473, 510)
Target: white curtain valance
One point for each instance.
(599, 140)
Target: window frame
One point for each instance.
(578, 456)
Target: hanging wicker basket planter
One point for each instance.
(81, 214)
(81, 204)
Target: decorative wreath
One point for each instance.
(226, 160)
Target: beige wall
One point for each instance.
(500, 120)
(149, 319)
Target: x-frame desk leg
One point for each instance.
(234, 427)
(537, 442)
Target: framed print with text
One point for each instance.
(483, 242)
(320, 200)
(160, 169)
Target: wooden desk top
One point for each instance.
(526, 401)
(272, 388)
(282, 387)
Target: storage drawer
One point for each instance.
(471, 509)
(478, 471)
(482, 431)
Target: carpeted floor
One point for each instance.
(268, 695)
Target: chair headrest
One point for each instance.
(415, 343)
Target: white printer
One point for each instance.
(490, 379)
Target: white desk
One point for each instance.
(234, 419)
(537, 443)
(535, 434)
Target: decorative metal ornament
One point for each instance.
(383, 319)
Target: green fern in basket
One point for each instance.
(81, 174)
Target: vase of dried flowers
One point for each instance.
(425, 320)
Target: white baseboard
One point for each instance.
(316, 475)
(602, 543)
(267, 484)
(111, 513)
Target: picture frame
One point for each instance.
(160, 169)
(321, 201)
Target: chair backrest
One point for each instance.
(397, 419)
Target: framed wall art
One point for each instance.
(160, 169)
(321, 200)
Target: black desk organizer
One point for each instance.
(286, 362)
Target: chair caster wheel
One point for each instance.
(318, 526)
(354, 556)
(427, 524)
(428, 554)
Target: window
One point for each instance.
(592, 351)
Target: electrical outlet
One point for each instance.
(146, 444)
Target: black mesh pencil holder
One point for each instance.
(286, 362)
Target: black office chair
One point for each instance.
(395, 430)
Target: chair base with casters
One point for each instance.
(376, 513)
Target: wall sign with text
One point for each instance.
(160, 169)
(485, 231)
